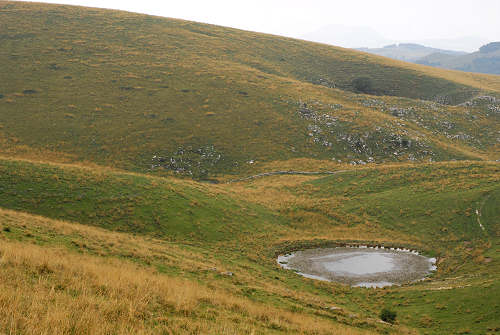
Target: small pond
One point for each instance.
(360, 266)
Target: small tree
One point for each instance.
(363, 85)
(387, 315)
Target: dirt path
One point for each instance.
(275, 173)
(478, 212)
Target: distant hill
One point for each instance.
(409, 52)
(486, 60)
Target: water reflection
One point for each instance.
(366, 267)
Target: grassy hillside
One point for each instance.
(67, 278)
(429, 207)
(103, 115)
(119, 89)
(175, 210)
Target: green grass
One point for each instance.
(435, 205)
(118, 88)
(428, 207)
(92, 86)
(173, 210)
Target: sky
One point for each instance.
(395, 20)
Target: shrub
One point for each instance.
(363, 85)
(387, 315)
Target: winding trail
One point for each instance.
(478, 212)
(276, 173)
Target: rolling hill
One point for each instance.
(152, 169)
(145, 260)
(118, 89)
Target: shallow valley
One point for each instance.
(152, 170)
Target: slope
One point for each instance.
(135, 91)
(234, 249)
(61, 277)
(434, 208)
(173, 209)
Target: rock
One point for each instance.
(305, 111)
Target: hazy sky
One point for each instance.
(398, 20)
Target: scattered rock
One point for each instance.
(197, 163)
(324, 82)
(54, 67)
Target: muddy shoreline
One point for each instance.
(363, 266)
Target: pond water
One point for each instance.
(361, 266)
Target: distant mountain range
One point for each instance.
(486, 60)
(410, 52)
(442, 53)
(367, 37)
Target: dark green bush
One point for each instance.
(387, 315)
(363, 85)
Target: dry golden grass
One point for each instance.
(318, 217)
(54, 290)
(89, 280)
(202, 85)
(51, 291)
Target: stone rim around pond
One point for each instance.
(360, 266)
